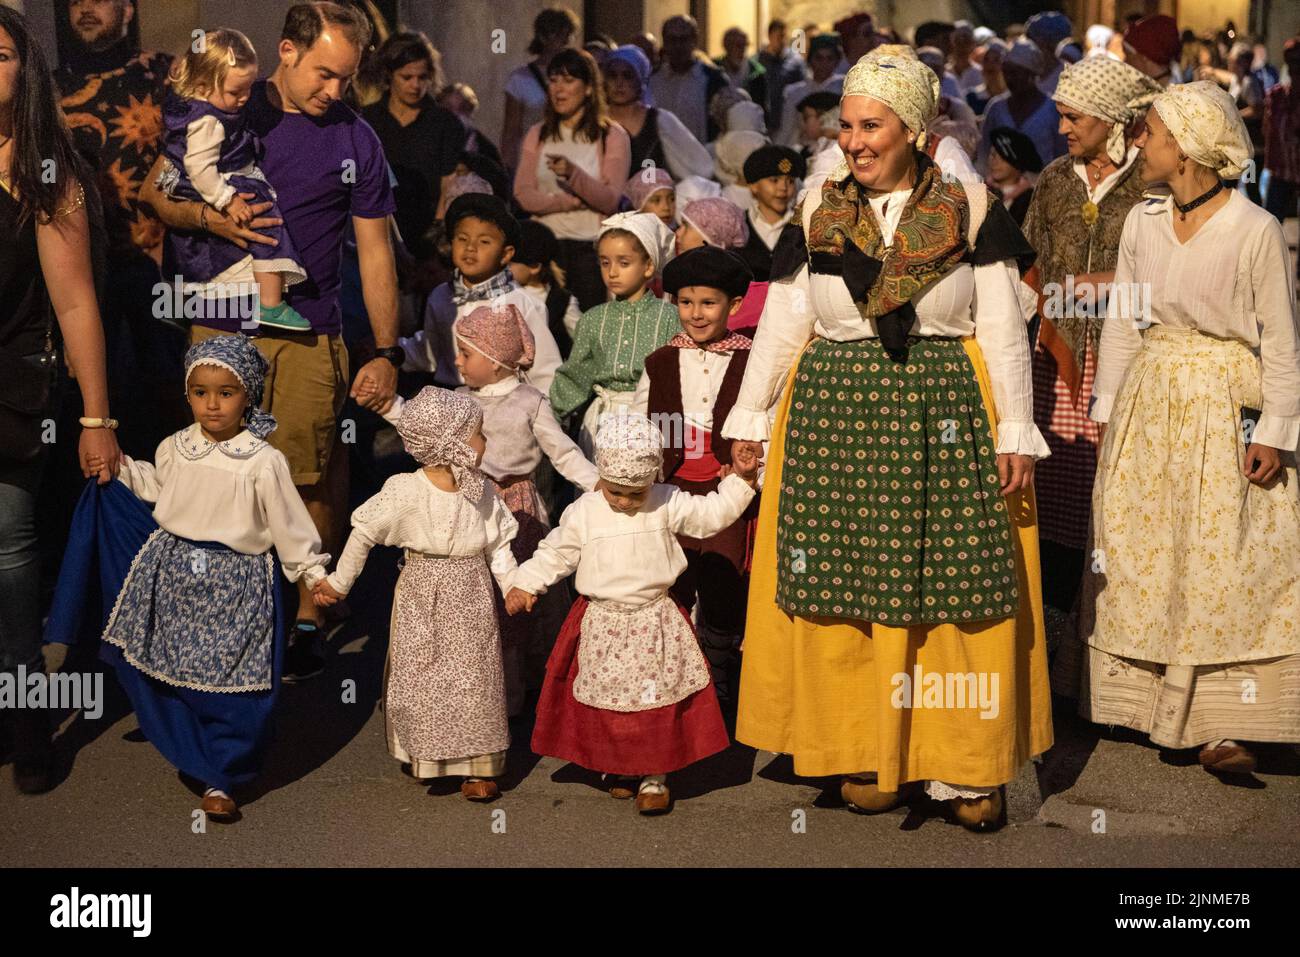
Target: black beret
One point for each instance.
(1017, 149)
(708, 266)
(487, 208)
(537, 244)
(773, 161)
(819, 100)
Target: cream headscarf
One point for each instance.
(1204, 120)
(901, 82)
(655, 238)
(1109, 90)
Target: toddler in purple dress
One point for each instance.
(212, 158)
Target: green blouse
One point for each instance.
(610, 347)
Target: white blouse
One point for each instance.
(631, 559)
(982, 301)
(411, 512)
(1231, 280)
(683, 153)
(583, 223)
(238, 492)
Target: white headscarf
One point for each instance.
(650, 231)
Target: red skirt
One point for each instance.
(634, 743)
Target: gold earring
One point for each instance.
(1180, 166)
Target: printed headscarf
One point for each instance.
(500, 334)
(435, 427)
(901, 82)
(1108, 90)
(644, 183)
(1204, 120)
(237, 354)
(721, 222)
(629, 450)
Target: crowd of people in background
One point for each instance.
(627, 246)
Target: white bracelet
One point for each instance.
(105, 423)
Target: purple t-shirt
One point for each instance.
(325, 170)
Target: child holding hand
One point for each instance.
(495, 349)
(627, 690)
(444, 689)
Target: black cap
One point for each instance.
(487, 208)
(1017, 149)
(819, 100)
(537, 244)
(773, 161)
(708, 266)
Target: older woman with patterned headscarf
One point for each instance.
(1074, 220)
(1190, 613)
(896, 546)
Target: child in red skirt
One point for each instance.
(627, 689)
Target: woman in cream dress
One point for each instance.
(1190, 616)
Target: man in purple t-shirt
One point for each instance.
(328, 170)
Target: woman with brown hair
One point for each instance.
(526, 87)
(44, 234)
(422, 141)
(573, 167)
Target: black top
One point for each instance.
(24, 304)
(646, 145)
(419, 154)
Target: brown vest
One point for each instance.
(666, 399)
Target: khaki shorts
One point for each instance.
(306, 386)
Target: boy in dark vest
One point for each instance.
(773, 174)
(688, 389)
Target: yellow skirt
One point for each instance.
(848, 697)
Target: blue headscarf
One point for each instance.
(237, 354)
(634, 57)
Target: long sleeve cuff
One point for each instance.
(1099, 409)
(337, 583)
(313, 575)
(1021, 438)
(752, 425)
(1277, 431)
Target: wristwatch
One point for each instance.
(394, 354)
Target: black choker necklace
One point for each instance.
(1209, 194)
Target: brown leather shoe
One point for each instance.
(622, 788)
(1227, 759)
(864, 797)
(981, 814)
(479, 789)
(652, 802)
(219, 807)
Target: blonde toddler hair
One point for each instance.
(202, 71)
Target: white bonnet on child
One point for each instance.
(650, 231)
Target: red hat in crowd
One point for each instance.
(1156, 38)
(851, 24)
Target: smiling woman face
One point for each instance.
(875, 142)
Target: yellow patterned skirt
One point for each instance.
(847, 697)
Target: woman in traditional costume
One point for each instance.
(1075, 216)
(1190, 609)
(896, 557)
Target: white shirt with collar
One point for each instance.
(769, 233)
(238, 492)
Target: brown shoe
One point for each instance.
(479, 789)
(1227, 759)
(980, 814)
(650, 803)
(864, 797)
(219, 806)
(622, 788)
